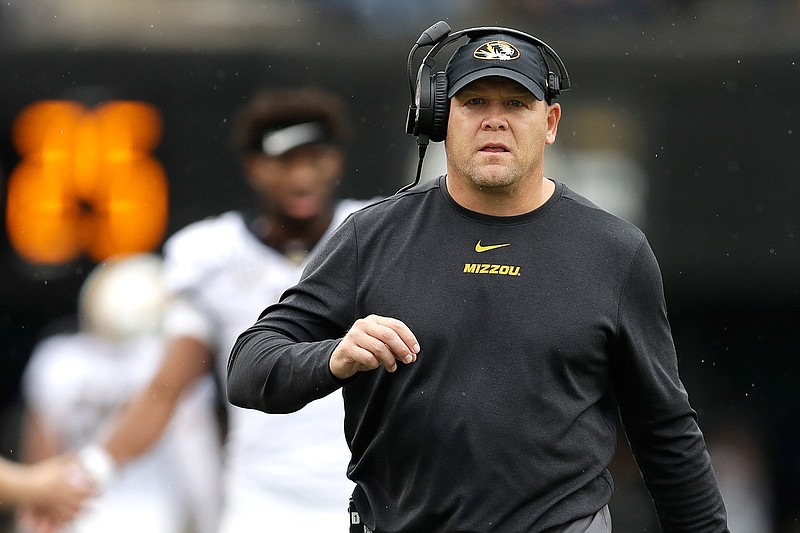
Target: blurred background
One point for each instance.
(684, 117)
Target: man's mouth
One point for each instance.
(494, 148)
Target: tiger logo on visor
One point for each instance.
(496, 50)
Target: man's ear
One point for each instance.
(249, 161)
(553, 116)
(335, 158)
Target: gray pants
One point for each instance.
(600, 522)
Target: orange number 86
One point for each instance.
(86, 182)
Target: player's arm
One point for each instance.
(39, 440)
(50, 487)
(143, 421)
(50, 490)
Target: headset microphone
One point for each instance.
(434, 34)
(429, 37)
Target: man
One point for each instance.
(508, 314)
(220, 272)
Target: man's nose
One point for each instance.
(494, 124)
(302, 172)
(495, 120)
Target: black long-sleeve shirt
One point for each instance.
(503, 423)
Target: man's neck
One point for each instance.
(291, 237)
(513, 200)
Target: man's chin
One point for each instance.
(303, 210)
(489, 181)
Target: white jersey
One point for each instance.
(76, 384)
(282, 471)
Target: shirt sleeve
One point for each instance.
(280, 364)
(659, 422)
(188, 256)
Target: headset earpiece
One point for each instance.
(553, 86)
(440, 108)
(429, 115)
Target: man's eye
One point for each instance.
(475, 101)
(515, 103)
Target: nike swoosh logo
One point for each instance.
(481, 248)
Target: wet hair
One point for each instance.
(275, 109)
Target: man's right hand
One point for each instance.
(374, 341)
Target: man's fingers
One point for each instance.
(373, 349)
(397, 336)
(362, 356)
(386, 339)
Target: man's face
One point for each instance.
(297, 185)
(497, 132)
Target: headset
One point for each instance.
(430, 106)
